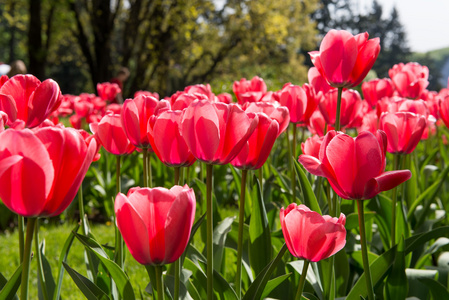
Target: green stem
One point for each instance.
(151, 270)
(210, 230)
(31, 223)
(337, 116)
(150, 172)
(302, 280)
(118, 237)
(160, 283)
(369, 283)
(177, 262)
(260, 175)
(396, 164)
(21, 236)
(292, 166)
(40, 269)
(145, 171)
(238, 281)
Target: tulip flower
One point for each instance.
(309, 235)
(249, 90)
(312, 145)
(27, 100)
(135, 115)
(110, 133)
(156, 223)
(108, 91)
(317, 81)
(403, 130)
(41, 171)
(205, 90)
(258, 147)
(376, 89)
(165, 138)
(216, 132)
(299, 105)
(146, 93)
(355, 166)
(351, 108)
(344, 59)
(409, 79)
(317, 124)
(444, 110)
(272, 110)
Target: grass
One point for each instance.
(55, 236)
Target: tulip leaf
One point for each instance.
(9, 289)
(417, 287)
(48, 279)
(169, 281)
(428, 194)
(397, 285)
(273, 283)
(307, 191)
(297, 266)
(219, 239)
(411, 185)
(120, 278)
(438, 290)
(87, 287)
(382, 264)
(352, 219)
(256, 288)
(63, 258)
(259, 233)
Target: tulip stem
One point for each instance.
(302, 280)
(292, 163)
(369, 283)
(31, 224)
(260, 175)
(238, 281)
(160, 283)
(210, 230)
(337, 116)
(40, 270)
(150, 172)
(21, 236)
(118, 237)
(178, 261)
(145, 171)
(396, 164)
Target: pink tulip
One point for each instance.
(41, 171)
(354, 166)
(111, 135)
(317, 124)
(351, 108)
(225, 98)
(258, 147)
(444, 110)
(108, 91)
(317, 81)
(25, 99)
(135, 115)
(205, 90)
(249, 90)
(182, 100)
(312, 145)
(344, 59)
(309, 235)
(146, 93)
(156, 223)
(299, 105)
(216, 132)
(3, 79)
(3, 120)
(409, 79)
(403, 129)
(272, 110)
(370, 122)
(376, 89)
(165, 138)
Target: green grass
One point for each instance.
(55, 237)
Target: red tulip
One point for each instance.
(309, 235)
(351, 108)
(317, 124)
(354, 166)
(3, 79)
(216, 132)
(276, 112)
(224, 97)
(156, 223)
(444, 110)
(299, 105)
(135, 115)
(182, 100)
(108, 91)
(146, 93)
(205, 90)
(370, 122)
(409, 79)
(376, 89)
(165, 138)
(317, 81)
(110, 133)
(258, 147)
(403, 129)
(344, 59)
(25, 99)
(312, 145)
(41, 171)
(249, 90)
(3, 120)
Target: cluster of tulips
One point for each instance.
(43, 163)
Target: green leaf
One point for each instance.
(120, 278)
(438, 290)
(273, 283)
(9, 290)
(63, 258)
(416, 287)
(297, 266)
(219, 239)
(309, 197)
(87, 287)
(259, 234)
(48, 276)
(255, 290)
(396, 287)
(352, 220)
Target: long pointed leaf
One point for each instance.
(309, 197)
(10, 288)
(87, 287)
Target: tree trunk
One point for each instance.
(36, 53)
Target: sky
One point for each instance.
(426, 21)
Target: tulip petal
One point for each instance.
(44, 100)
(340, 153)
(384, 182)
